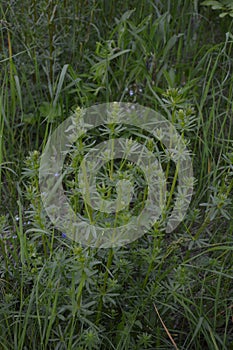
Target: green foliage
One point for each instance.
(56, 58)
(226, 7)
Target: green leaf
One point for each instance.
(127, 15)
(60, 83)
(211, 3)
(223, 14)
(217, 7)
(170, 44)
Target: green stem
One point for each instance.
(103, 289)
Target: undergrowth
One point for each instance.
(162, 291)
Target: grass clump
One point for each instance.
(162, 291)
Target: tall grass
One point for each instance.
(163, 291)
